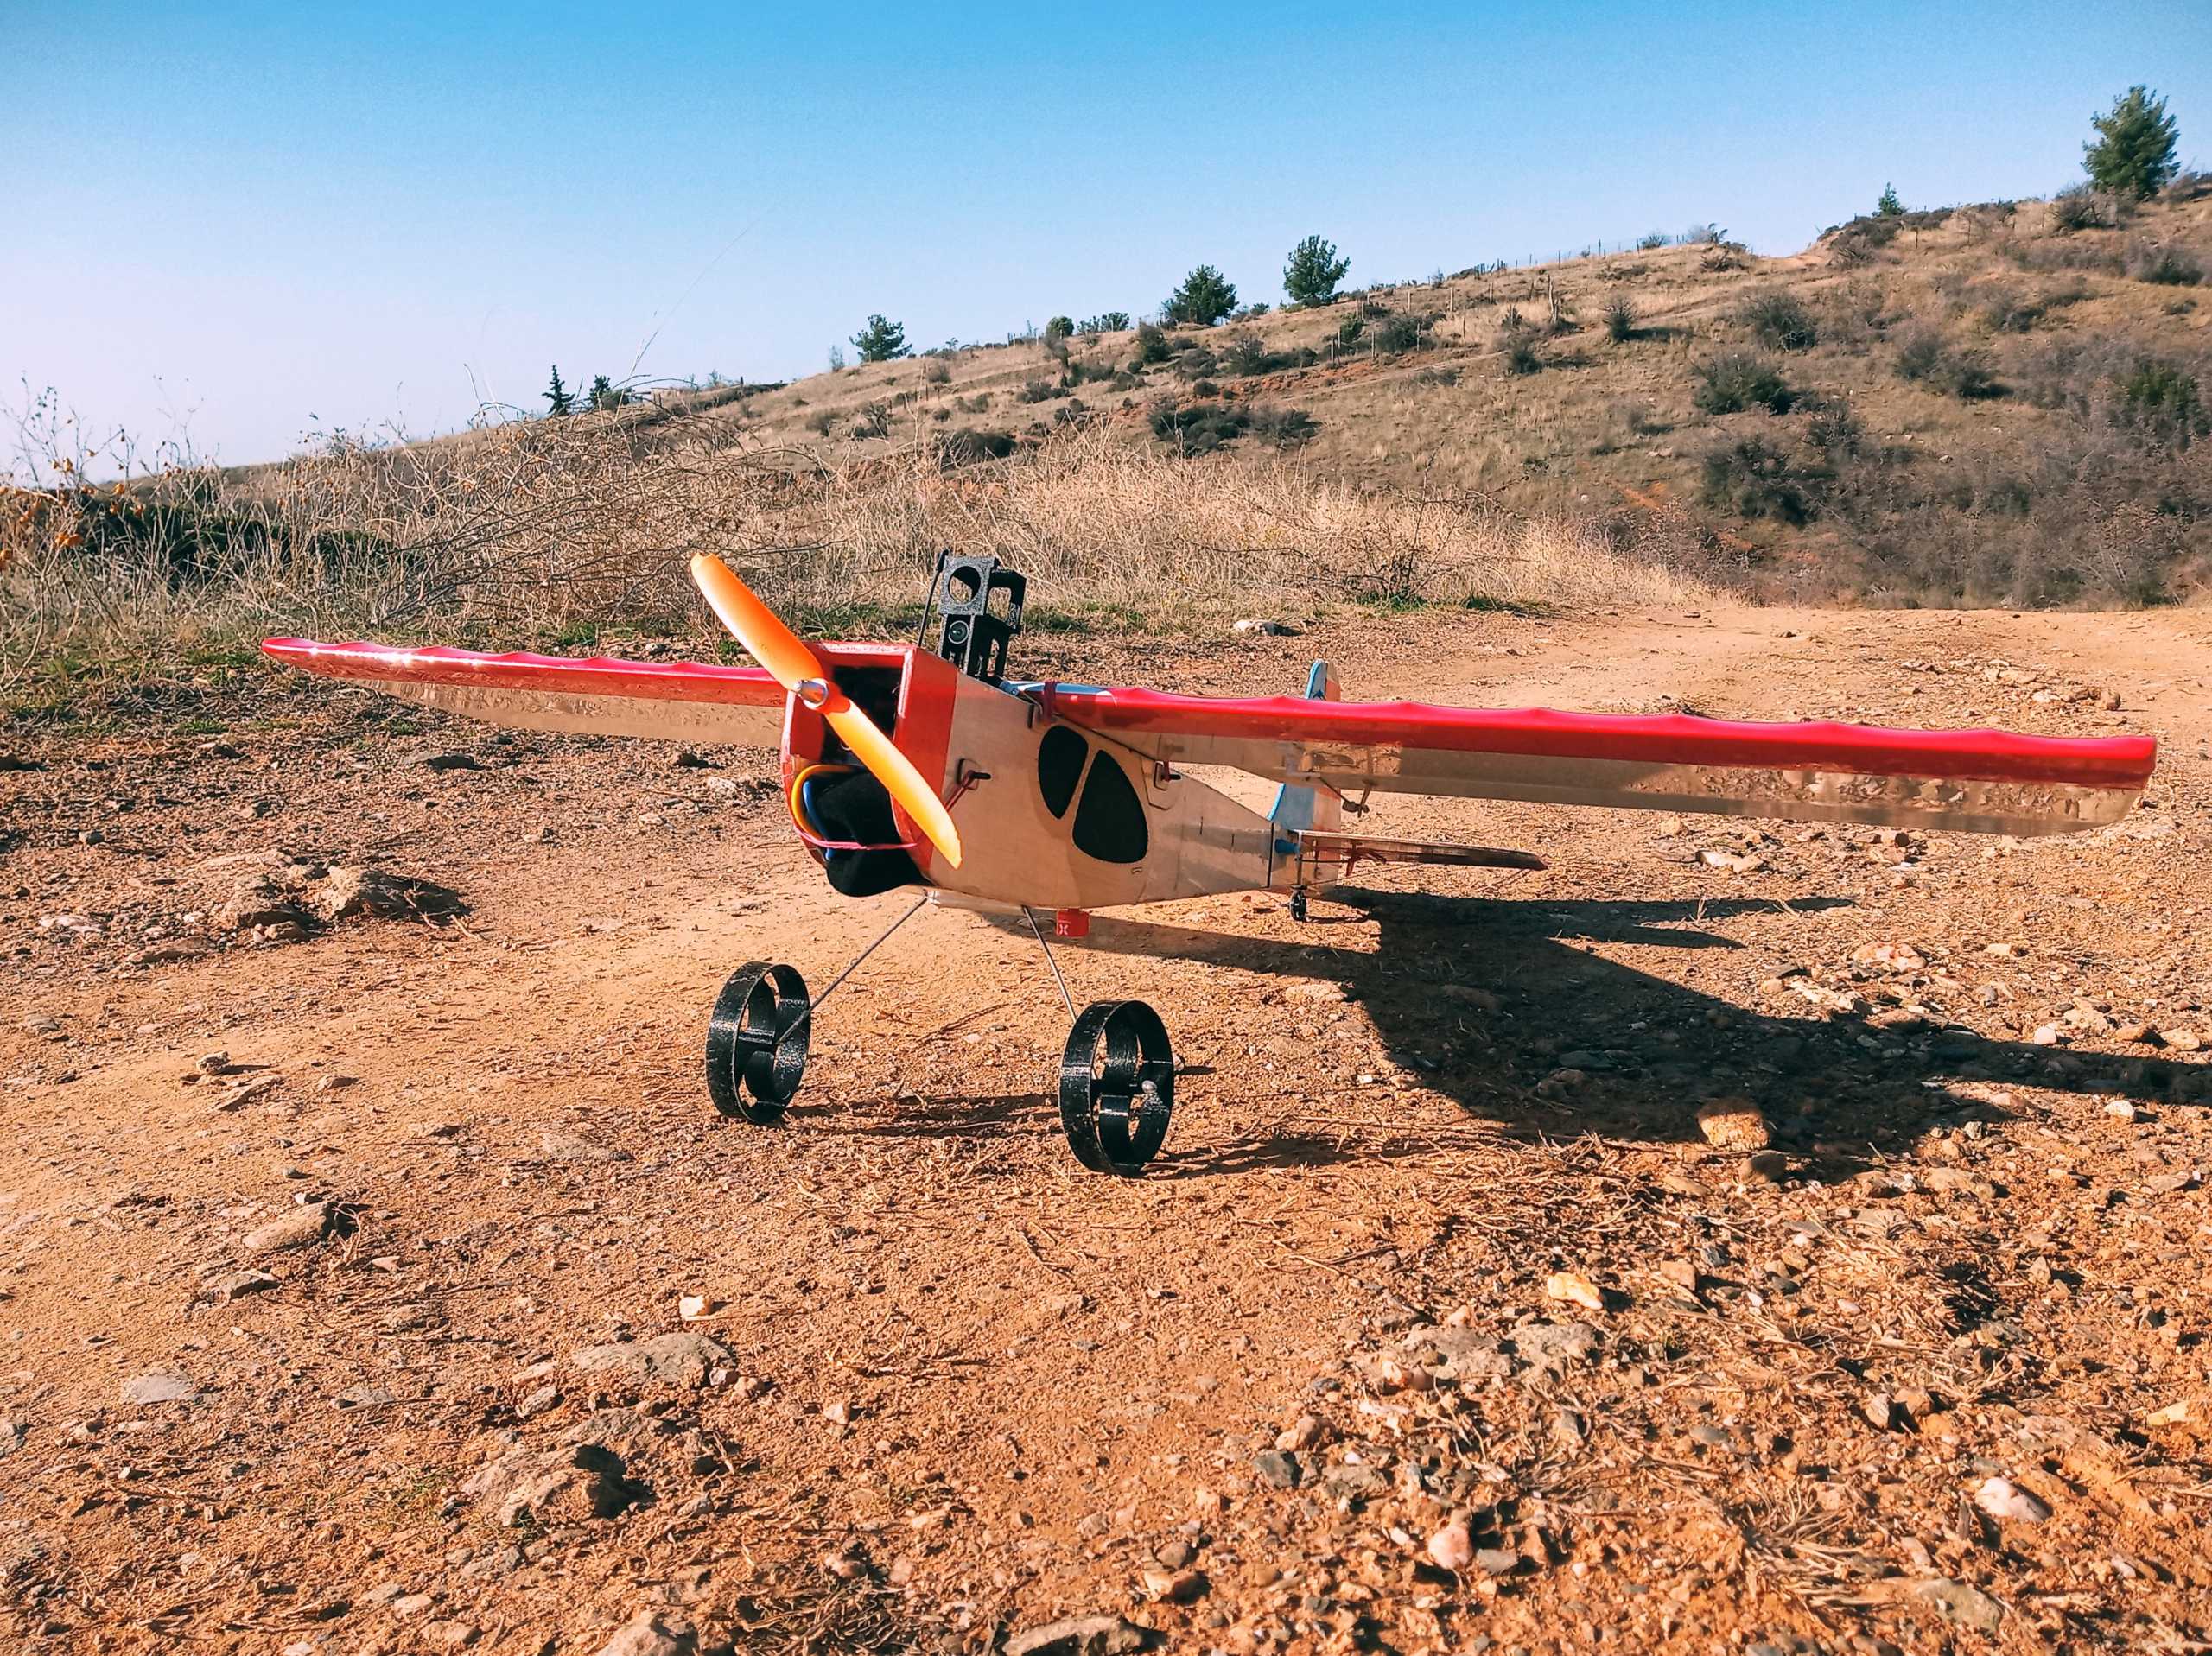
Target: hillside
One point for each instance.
(2044, 453)
(1999, 405)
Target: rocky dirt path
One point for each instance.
(343, 1281)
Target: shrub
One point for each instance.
(2165, 263)
(1243, 354)
(875, 421)
(1151, 347)
(1780, 320)
(2004, 310)
(1620, 321)
(1198, 428)
(881, 341)
(1204, 297)
(1195, 362)
(2133, 155)
(969, 445)
(1040, 391)
(822, 421)
(1437, 376)
(1396, 333)
(1735, 380)
(1518, 347)
(1058, 327)
(1282, 427)
(1925, 357)
(1311, 274)
(937, 371)
(1651, 241)
(2083, 208)
(1753, 479)
(1106, 321)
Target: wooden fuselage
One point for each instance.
(1050, 815)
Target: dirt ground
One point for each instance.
(1442, 1324)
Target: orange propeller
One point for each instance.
(799, 670)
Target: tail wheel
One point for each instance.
(756, 1042)
(1117, 1087)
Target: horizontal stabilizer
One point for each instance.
(1339, 854)
(677, 701)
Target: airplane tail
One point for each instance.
(1304, 809)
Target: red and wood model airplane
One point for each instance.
(908, 767)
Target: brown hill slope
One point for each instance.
(1978, 406)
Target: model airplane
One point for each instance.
(906, 767)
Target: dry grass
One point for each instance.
(563, 531)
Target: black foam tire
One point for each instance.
(757, 1041)
(1117, 1087)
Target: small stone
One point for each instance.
(691, 1307)
(451, 762)
(1451, 1548)
(11, 1438)
(1737, 1125)
(214, 1064)
(1303, 1433)
(2003, 1499)
(158, 1388)
(1574, 1288)
(303, 1227)
(1966, 1606)
(2120, 1110)
(566, 1147)
(538, 1402)
(837, 1412)
(1711, 1436)
(2181, 1040)
(450, 1636)
(1079, 1635)
(1278, 1469)
(841, 1565)
(1882, 1413)
(1173, 1586)
(1496, 1561)
(239, 1284)
(649, 1634)
(671, 1359)
(1769, 1164)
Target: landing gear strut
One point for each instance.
(757, 1041)
(1117, 1087)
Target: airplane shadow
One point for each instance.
(1488, 1001)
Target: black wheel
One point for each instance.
(1117, 1087)
(756, 1042)
(1298, 903)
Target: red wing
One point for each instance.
(685, 700)
(1988, 781)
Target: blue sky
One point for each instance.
(244, 222)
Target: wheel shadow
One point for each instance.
(1494, 1003)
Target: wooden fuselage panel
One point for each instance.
(1197, 840)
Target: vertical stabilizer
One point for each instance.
(1306, 809)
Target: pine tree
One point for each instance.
(1204, 298)
(1889, 207)
(881, 341)
(1312, 275)
(558, 396)
(2133, 153)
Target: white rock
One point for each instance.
(2003, 1499)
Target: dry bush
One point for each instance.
(553, 530)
